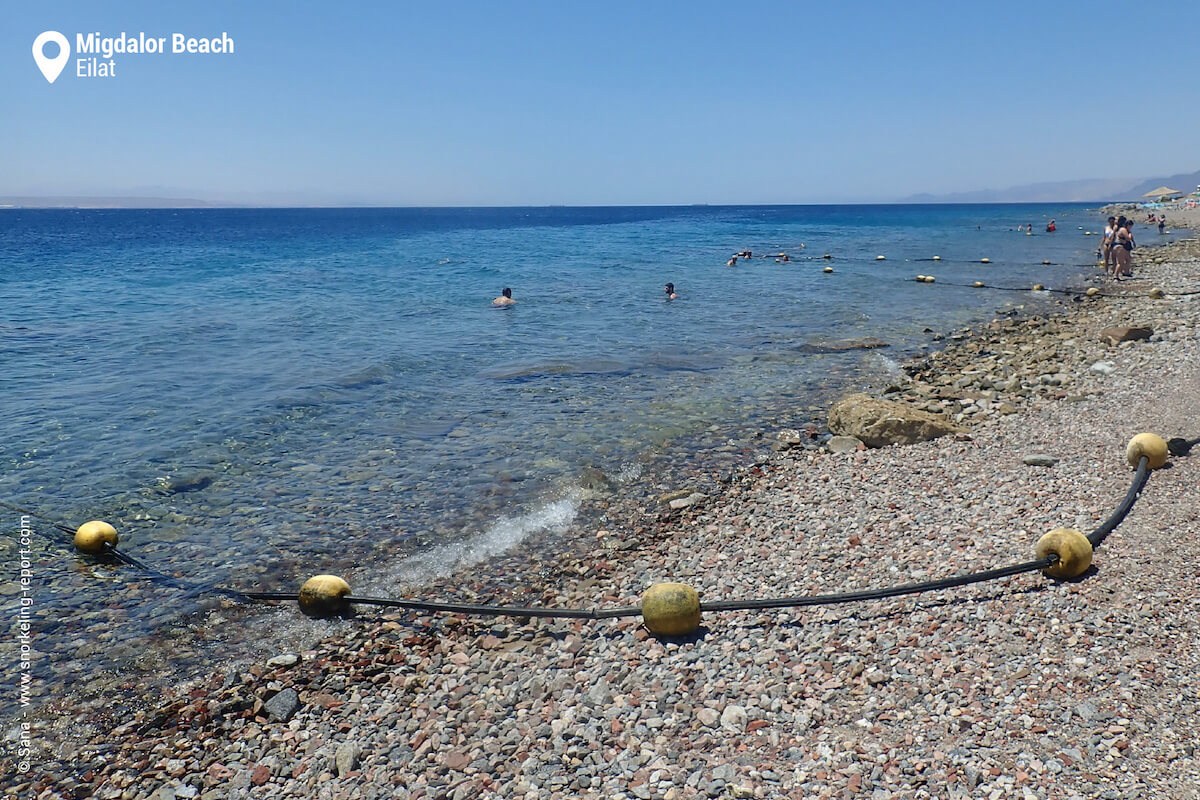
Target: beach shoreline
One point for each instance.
(626, 702)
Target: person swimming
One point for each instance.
(732, 262)
(505, 298)
(670, 290)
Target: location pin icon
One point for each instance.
(51, 67)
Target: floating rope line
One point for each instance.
(1089, 291)
(668, 609)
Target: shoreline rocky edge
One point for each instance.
(1025, 687)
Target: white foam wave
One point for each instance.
(503, 534)
(629, 472)
(888, 367)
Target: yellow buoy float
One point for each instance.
(978, 284)
(920, 279)
(1073, 549)
(1150, 445)
(323, 596)
(985, 261)
(1037, 287)
(828, 269)
(880, 258)
(1092, 291)
(929, 279)
(91, 537)
(671, 609)
(937, 258)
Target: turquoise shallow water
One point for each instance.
(293, 388)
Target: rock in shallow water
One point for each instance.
(685, 502)
(843, 345)
(192, 482)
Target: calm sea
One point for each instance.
(291, 389)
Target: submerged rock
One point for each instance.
(594, 480)
(878, 423)
(685, 502)
(192, 482)
(843, 345)
(667, 497)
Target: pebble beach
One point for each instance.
(1024, 687)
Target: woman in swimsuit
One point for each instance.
(1106, 244)
(1123, 250)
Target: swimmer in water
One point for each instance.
(670, 290)
(505, 298)
(732, 262)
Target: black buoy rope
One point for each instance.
(1180, 446)
(1140, 477)
(1096, 538)
(152, 573)
(878, 594)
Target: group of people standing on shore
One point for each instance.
(1117, 247)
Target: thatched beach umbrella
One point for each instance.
(1162, 191)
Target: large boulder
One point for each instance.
(879, 423)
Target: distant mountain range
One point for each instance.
(63, 201)
(1093, 190)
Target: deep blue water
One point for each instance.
(326, 378)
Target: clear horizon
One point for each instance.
(216, 206)
(476, 105)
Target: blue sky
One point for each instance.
(493, 103)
